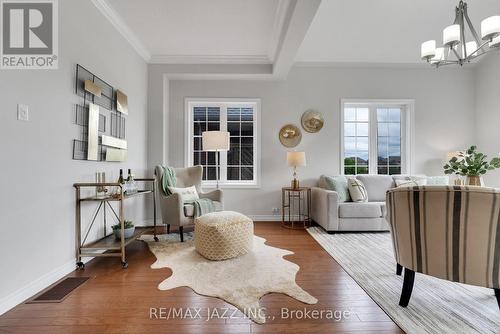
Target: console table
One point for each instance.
(108, 245)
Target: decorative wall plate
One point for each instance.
(290, 135)
(312, 121)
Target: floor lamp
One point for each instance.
(215, 141)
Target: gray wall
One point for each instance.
(444, 119)
(488, 111)
(37, 213)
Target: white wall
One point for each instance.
(444, 119)
(488, 112)
(37, 213)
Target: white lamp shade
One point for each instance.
(495, 42)
(470, 47)
(490, 27)
(428, 49)
(439, 56)
(451, 35)
(296, 159)
(215, 141)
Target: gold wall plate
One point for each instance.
(290, 135)
(92, 88)
(121, 102)
(312, 121)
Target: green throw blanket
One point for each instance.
(201, 206)
(168, 180)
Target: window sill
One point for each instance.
(230, 186)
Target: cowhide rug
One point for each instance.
(240, 281)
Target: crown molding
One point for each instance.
(116, 20)
(277, 34)
(209, 59)
(375, 65)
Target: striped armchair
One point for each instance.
(452, 233)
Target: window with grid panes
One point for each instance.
(239, 165)
(374, 138)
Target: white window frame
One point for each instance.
(224, 103)
(407, 130)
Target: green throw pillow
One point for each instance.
(338, 184)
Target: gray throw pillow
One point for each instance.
(338, 184)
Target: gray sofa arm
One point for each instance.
(325, 208)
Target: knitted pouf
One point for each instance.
(223, 235)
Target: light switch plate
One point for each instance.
(23, 112)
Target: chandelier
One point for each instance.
(456, 50)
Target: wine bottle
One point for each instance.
(120, 179)
(129, 178)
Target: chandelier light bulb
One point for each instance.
(490, 27)
(495, 42)
(451, 35)
(439, 56)
(428, 49)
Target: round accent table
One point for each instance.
(296, 207)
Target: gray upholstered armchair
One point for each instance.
(452, 233)
(173, 211)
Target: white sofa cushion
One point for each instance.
(376, 186)
(361, 210)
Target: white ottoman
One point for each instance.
(223, 235)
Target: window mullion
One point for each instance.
(372, 166)
(223, 154)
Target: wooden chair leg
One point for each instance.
(408, 281)
(181, 232)
(399, 269)
(168, 228)
(497, 294)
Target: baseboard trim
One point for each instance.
(257, 218)
(265, 218)
(17, 297)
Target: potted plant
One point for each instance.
(471, 164)
(128, 231)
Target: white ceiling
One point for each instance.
(189, 29)
(382, 31)
(277, 33)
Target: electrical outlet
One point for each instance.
(23, 112)
(276, 210)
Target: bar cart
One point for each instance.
(108, 245)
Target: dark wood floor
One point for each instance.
(119, 301)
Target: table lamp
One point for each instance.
(215, 141)
(295, 159)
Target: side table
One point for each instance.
(296, 207)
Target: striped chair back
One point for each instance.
(447, 232)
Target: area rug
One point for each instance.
(436, 306)
(240, 281)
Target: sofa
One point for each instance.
(336, 216)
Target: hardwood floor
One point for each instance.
(115, 300)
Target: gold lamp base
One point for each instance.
(295, 184)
